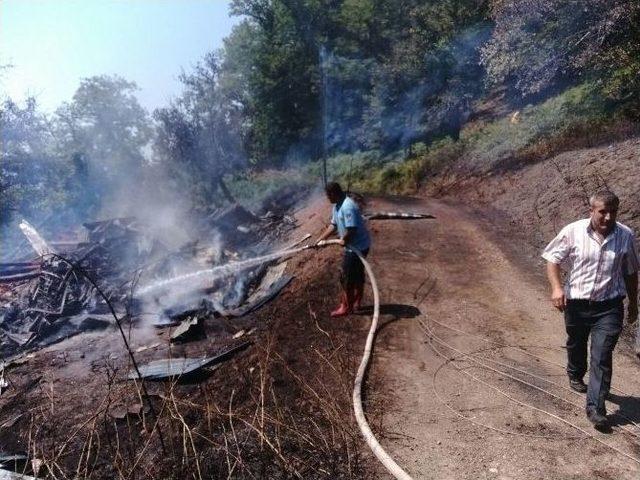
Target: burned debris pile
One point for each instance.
(110, 264)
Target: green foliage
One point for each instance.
(102, 134)
(430, 97)
(61, 168)
(341, 76)
(407, 176)
(622, 84)
(251, 189)
(354, 169)
(399, 172)
(321, 75)
(105, 122)
(29, 170)
(492, 146)
(278, 71)
(199, 137)
(495, 144)
(536, 44)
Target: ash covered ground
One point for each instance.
(242, 378)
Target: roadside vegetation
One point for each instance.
(578, 117)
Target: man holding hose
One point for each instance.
(600, 258)
(353, 233)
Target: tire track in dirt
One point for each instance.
(455, 272)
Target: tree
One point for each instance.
(30, 173)
(424, 86)
(102, 132)
(275, 53)
(536, 44)
(392, 72)
(199, 137)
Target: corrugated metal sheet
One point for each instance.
(175, 367)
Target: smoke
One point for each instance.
(57, 181)
(95, 168)
(166, 215)
(366, 106)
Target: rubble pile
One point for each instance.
(57, 295)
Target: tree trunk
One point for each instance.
(225, 191)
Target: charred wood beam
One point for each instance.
(60, 308)
(65, 243)
(17, 270)
(18, 264)
(19, 277)
(51, 274)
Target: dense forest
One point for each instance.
(391, 85)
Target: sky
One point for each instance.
(53, 44)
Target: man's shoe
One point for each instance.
(599, 421)
(577, 384)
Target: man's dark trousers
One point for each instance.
(603, 320)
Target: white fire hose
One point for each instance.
(369, 437)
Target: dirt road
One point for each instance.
(474, 386)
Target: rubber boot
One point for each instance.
(343, 309)
(351, 296)
(357, 297)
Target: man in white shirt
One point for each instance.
(600, 259)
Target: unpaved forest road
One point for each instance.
(457, 271)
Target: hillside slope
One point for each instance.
(541, 198)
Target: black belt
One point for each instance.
(583, 302)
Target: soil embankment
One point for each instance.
(541, 198)
(469, 408)
(535, 201)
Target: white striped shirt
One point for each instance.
(595, 268)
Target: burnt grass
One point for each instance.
(280, 408)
